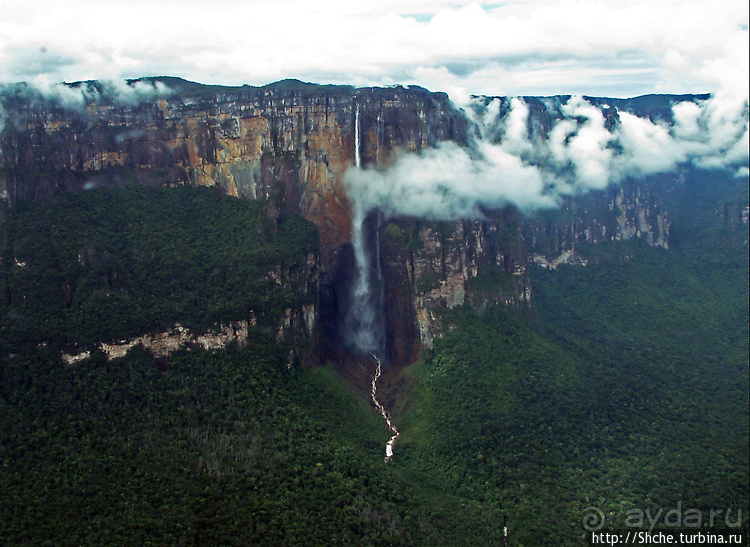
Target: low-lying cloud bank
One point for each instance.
(76, 96)
(582, 152)
(80, 94)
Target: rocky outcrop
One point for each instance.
(163, 344)
(297, 328)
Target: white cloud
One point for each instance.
(578, 155)
(605, 47)
(446, 182)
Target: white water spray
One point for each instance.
(383, 412)
(362, 321)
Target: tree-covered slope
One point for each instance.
(206, 447)
(625, 388)
(223, 448)
(80, 268)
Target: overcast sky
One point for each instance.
(619, 48)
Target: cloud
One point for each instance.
(135, 91)
(60, 93)
(26, 62)
(507, 164)
(712, 134)
(449, 182)
(607, 47)
(77, 96)
(581, 141)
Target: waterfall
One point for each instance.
(357, 159)
(379, 127)
(364, 318)
(364, 327)
(364, 321)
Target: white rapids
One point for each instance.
(383, 412)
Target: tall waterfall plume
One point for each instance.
(364, 323)
(357, 158)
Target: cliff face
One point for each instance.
(437, 265)
(287, 143)
(620, 213)
(432, 266)
(290, 144)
